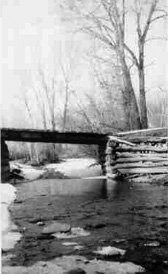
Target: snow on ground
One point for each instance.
(66, 263)
(8, 230)
(8, 193)
(73, 168)
(84, 167)
(31, 173)
(27, 171)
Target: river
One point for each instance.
(130, 216)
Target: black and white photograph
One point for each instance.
(84, 137)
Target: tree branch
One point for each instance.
(158, 17)
(156, 38)
(148, 22)
(132, 55)
(100, 37)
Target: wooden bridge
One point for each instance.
(134, 152)
(48, 136)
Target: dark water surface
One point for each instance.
(132, 216)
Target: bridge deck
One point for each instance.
(47, 136)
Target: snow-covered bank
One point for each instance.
(8, 229)
(71, 168)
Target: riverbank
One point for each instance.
(9, 230)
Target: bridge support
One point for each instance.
(102, 156)
(5, 168)
(111, 157)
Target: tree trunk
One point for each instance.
(143, 107)
(129, 99)
(65, 109)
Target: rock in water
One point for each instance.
(75, 232)
(56, 227)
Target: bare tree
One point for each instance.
(67, 90)
(105, 20)
(154, 14)
(109, 104)
(158, 108)
(31, 146)
(49, 90)
(41, 105)
(68, 67)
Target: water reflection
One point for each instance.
(118, 192)
(88, 187)
(117, 189)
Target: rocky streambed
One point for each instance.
(90, 225)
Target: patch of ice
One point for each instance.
(109, 251)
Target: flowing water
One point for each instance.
(131, 216)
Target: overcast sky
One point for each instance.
(31, 34)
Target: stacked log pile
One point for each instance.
(137, 156)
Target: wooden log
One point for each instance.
(141, 165)
(138, 154)
(140, 159)
(146, 139)
(147, 170)
(142, 148)
(113, 141)
(158, 132)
